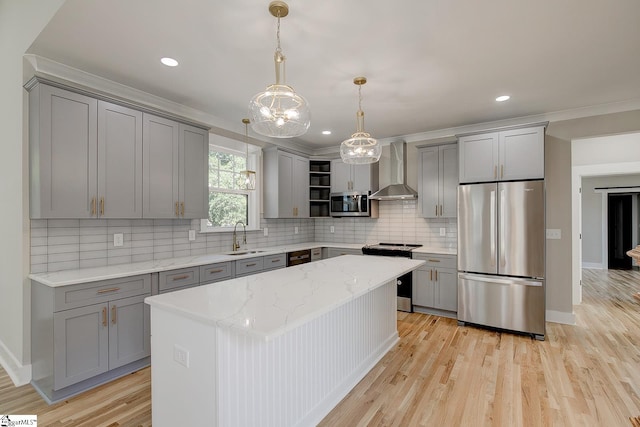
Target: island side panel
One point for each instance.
(182, 395)
(296, 378)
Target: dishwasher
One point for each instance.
(298, 257)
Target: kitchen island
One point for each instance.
(280, 348)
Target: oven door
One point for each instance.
(349, 204)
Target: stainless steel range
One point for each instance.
(405, 287)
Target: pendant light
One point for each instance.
(279, 112)
(360, 148)
(247, 177)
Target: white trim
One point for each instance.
(20, 374)
(561, 317)
(592, 265)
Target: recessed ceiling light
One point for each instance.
(326, 132)
(169, 62)
(503, 98)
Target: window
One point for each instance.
(228, 203)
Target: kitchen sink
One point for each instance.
(243, 252)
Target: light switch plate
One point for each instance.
(554, 233)
(332, 229)
(192, 235)
(266, 232)
(443, 231)
(295, 230)
(118, 239)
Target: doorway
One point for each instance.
(619, 230)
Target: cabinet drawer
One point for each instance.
(249, 266)
(216, 272)
(437, 261)
(83, 294)
(316, 254)
(271, 262)
(178, 278)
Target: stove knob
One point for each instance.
(399, 282)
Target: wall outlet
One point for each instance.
(554, 233)
(443, 231)
(192, 235)
(332, 229)
(295, 230)
(181, 355)
(266, 232)
(118, 239)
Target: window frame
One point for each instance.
(254, 197)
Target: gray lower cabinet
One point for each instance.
(183, 278)
(87, 334)
(334, 252)
(435, 284)
(248, 266)
(274, 262)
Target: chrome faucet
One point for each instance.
(236, 245)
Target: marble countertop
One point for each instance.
(439, 251)
(268, 304)
(85, 275)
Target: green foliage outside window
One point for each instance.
(228, 203)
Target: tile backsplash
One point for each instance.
(398, 222)
(82, 243)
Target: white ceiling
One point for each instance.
(430, 64)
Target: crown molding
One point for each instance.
(82, 80)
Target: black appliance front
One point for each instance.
(405, 282)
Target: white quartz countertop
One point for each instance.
(268, 304)
(85, 275)
(439, 251)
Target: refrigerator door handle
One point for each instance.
(500, 280)
(501, 231)
(492, 211)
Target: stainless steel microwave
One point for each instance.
(353, 203)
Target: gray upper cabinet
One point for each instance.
(91, 158)
(175, 169)
(346, 177)
(438, 181)
(119, 161)
(286, 185)
(86, 156)
(63, 131)
(507, 155)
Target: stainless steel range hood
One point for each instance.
(398, 189)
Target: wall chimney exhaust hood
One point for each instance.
(398, 189)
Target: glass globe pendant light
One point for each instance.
(279, 112)
(247, 177)
(360, 148)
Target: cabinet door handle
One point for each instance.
(101, 206)
(501, 171)
(250, 265)
(436, 210)
(436, 275)
(434, 260)
(182, 209)
(93, 206)
(104, 291)
(440, 210)
(184, 276)
(275, 260)
(104, 316)
(495, 172)
(113, 314)
(220, 270)
(177, 209)
(430, 274)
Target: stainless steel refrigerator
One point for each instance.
(501, 260)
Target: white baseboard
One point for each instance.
(20, 374)
(561, 317)
(594, 265)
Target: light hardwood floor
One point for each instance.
(444, 375)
